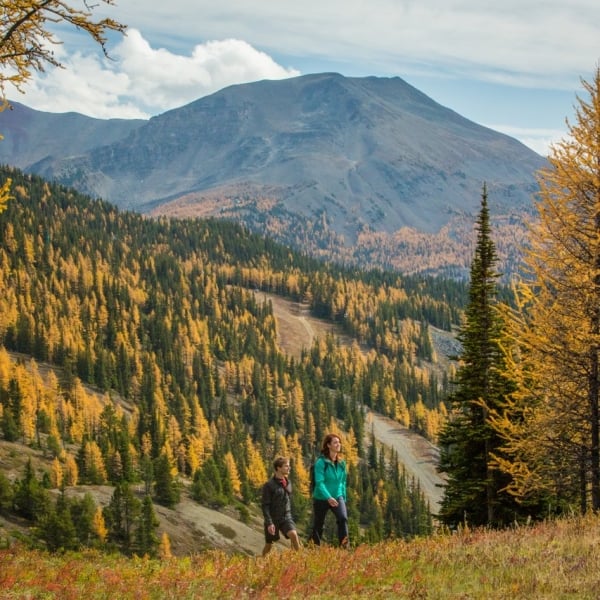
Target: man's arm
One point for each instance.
(267, 494)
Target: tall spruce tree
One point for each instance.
(474, 490)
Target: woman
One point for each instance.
(330, 490)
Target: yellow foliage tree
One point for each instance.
(255, 471)
(56, 474)
(350, 447)
(4, 188)
(233, 474)
(95, 470)
(300, 469)
(99, 525)
(552, 428)
(70, 472)
(164, 550)
(26, 40)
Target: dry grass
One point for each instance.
(550, 560)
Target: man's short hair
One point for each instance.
(280, 461)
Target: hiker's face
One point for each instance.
(335, 445)
(284, 469)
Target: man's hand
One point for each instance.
(271, 529)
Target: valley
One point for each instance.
(192, 527)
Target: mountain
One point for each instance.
(31, 135)
(337, 166)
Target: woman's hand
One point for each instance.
(333, 502)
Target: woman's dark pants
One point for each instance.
(320, 508)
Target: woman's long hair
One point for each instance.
(327, 441)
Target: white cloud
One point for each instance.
(525, 42)
(141, 81)
(84, 86)
(161, 79)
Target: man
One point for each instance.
(277, 506)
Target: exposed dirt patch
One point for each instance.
(296, 328)
(419, 456)
(191, 527)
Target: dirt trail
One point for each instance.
(296, 330)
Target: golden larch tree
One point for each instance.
(164, 549)
(99, 525)
(233, 474)
(553, 346)
(27, 39)
(256, 472)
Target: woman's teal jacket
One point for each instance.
(330, 479)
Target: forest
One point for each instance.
(161, 317)
(135, 353)
(166, 371)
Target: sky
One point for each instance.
(513, 65)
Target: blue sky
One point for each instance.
(514, 66)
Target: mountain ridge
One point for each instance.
(335, 156)
(31, 136)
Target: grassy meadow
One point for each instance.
(558, 559)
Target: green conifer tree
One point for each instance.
(30, 499)
(166, 489)
(57, 528)
(146, 540)
(474, 490)
(121, 516)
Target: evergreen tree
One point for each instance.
(9, 426)
(207, 487)
(30, 499)
(474, 489)
(121, 516)
(6, 493)
(83, 512)
(57, 528)
(165, 487)
(146, 540)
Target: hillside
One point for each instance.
(30, 136)
(369, 152)
(169, 363)
(297, 330)
(192, 527)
